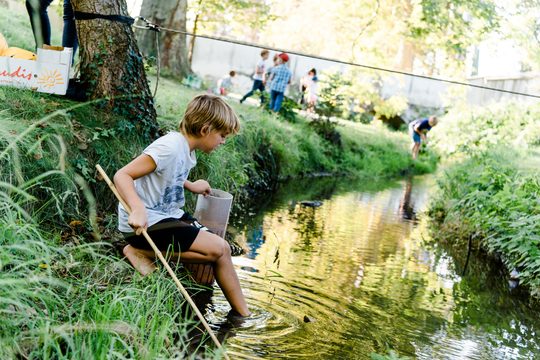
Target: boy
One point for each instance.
(280, 78)
(258, 77)
(418, 130)
(153, 186)
(225, 84)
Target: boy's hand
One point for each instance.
(138, 220)
(200, 187)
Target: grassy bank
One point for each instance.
(490, 190)
(65, 291)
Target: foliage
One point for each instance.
(288, 107)
(468, 131)
(232, 16)
(327, 129)
(489, 198)
(376, 32)
(392, 355)
(452, 26)
(522, 20)
(488, 194)
(391, 107)
(356, 97)
(62, 295)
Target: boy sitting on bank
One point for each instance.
(153, 186)
(418, 130)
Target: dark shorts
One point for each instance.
(415, 136)
(169, 234)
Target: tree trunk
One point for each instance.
(407, 51)
(193, 38)
(111, 65)
(173, 46)
(406, 60)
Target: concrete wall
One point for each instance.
(213, 59)
(525, 83)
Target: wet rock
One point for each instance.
(514, 275)
(311, 203)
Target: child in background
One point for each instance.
(280, 78)
(225, 84)
(275, 63)
(418, 130)
(312, 90)
(258, 77)
(153, 186)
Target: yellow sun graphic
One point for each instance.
(50, 79)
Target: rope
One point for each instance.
(156, 29)
(151, 26)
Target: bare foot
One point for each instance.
(139, 260)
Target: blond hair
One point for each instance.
(211, 111)
(433, 120)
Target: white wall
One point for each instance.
(214, 59)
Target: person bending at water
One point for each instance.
(418, 130)
(153, 186)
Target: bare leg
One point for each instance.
(415, 150)
(207, 248)
(218, 251)
(140, 259)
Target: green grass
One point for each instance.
(64, 292)
(490, 190)
(65, 297)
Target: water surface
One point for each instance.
(354, 276)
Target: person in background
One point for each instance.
(259, 77)
(280, 78)
(418, 130)
(304, 81)
(275, 63)
(225, 84)
(312, 90)
(41, 26)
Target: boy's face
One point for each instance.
(265, 56)
(212, 140)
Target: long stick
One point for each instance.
(164, 262)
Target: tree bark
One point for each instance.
(173, 46)
(111, 65)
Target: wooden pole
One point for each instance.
(164, 262)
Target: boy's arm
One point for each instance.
(124, 182)
(198, 187)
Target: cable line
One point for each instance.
(152, 26)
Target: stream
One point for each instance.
(344, 269)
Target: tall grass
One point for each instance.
(61, 295)
(490, 189)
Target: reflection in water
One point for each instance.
(356, 269)
(406, 207)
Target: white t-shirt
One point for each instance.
(261, 66)
(162, 191)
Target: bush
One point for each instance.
(356, 97)
(489, 198)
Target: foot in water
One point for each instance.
(234, 319)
